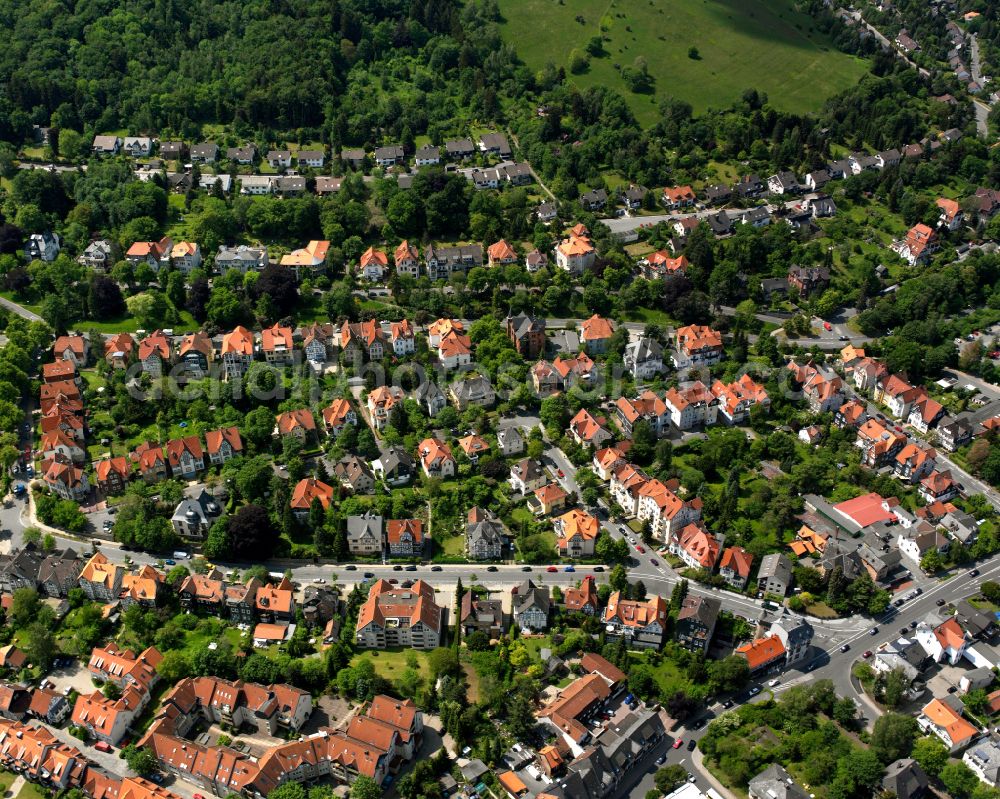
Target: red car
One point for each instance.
(552, 569)
(560, 472)
(678, 743)
(640, 548)
(103, 746)
(866, 654)
(827, 326)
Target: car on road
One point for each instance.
(654, 561)
(827, 327)
(899, 602)
(873, 631)
(974, 573)
(526, 568)
(904, 631)
(351, 567)
(842, 338)
(197, 796)
(598, 568)
(552, 569)
(692, 744)
(103, 746)
(754, 690)
(369, 575)
(170, 562)
(394, 581)
(406, 583)
(727, 704)
(774, 683)
(661, 760)
(435, 568)
(569, 569)
(845, 648)
(866, 654)
(411, 568)
(640, 548)
(491, 568)
(560, 473)
(913, 624)
(678, 743)
(940, 603)
(398, 567)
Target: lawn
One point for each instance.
(390, 663)
(6, 780)
(31, 791)
(765, 45)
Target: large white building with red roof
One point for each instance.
(393, 616)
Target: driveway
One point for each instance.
(75, 676)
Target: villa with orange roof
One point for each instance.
(65, 480)
(917, 247)
(185, 456)
(306, 491)
(141, 587)
(763, 653)
(675, 197)
(878, 443)
(155, 353)
(100, 579)
(951, 213)
(942, 639)
(642, 623)
(627, 480)
(404, 537)
(373, 264)
(394, 616)
(548, 499)
(237, 352)
(692, 405)
(735, 567)
(123, 667)
(925, 413)
(60, 445)
(152, 253)
(914, 463)
(943, 718)
(277, 345)
(454, 350)
(665, 512)
(402, 338)
(60, 370)
(275, 604)
(583, 599)
(119, 350)
(474, 446)
(501, 254)
(573, 706)
(436, 459)
(223, 444)
(588, 431)
(195, 354)
(337, 415)
(851, 414)
(440, 328)
(407, 259)
(697, 344)
(596, 333)
(659, 264)
(185, 256)
(575, 254)
(605, 460)
(696, 546)
(576, 371)
(938, 486)
(298, 423)
(647, 406)
(362, 339)
(380, 403)
(823, 389)
(108, 719)
(739, 397)
(113, 475)
(308, 260)
(577, 531)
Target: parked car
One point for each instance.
(692, 744)
(754, 690)
(491, 568)
(598, 568)
(552, 569)
(569, 568)
(435, 568)
(845, 648)
(103, 746)
(678, 743)
(873, 631)
(411, 568)
(351, 567)
(940, 603)
(974, 573)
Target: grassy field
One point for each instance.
(390, 663)
(765, 45)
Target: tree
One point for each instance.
(643, 441)
(149, 308)
(931, 754)
(896, 684)
(958, 779)
(25, 605)
(141, 760)
(363, 787)
(893, 736)
(618, 579)
(279, 284)
(288, 790)
(39, 646)
(250, 534)
(104, 298)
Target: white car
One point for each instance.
(319, 581)
(774, 683)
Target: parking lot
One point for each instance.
(74, 676)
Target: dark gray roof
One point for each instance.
(776, 783)
(906, 779)
(360, 526)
